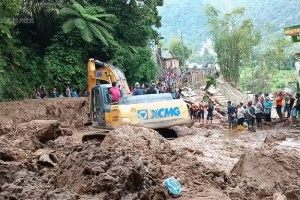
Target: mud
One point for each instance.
(42, 157)
(70, 112)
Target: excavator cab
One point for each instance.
(100, 104)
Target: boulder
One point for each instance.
(44, 130)
(67, 131)
(271, 138)
(182, 130)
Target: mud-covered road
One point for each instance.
(42, 157)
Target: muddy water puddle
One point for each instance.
(231, 133)
(290, 143)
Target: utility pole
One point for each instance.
(183, 53)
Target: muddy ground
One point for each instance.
(42, 157)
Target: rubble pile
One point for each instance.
(70, 112)
(40, 158)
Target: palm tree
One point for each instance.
(91, 21)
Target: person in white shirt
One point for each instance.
(259, 112)
(240, 115)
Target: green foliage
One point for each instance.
(233, 40)
(189, 17)
(64, 62)
(8, 11)
(40, 53)
(260, 79)
(179, 50)
(90, 21)
(136, 64)
(205, 58)
(210, 81)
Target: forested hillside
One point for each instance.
(188, 16)
(48, 42)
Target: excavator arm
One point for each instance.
(105, 73)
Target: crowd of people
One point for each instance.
(144, 89)
(258, 112)
(41, 93)
(202, 112)
(252, 114)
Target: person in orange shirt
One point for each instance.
(279, 105)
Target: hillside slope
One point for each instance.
(189, 18)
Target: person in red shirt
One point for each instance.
(279, 105)
(115, 92)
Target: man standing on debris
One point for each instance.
(250, 113)
(68, 91)
(210, 109)
(258, 113)
(54, 93)
(200, 112)
(279, 105)
(287, 105)
(294, 109)
(178, 94)
(267, 109)
(43, 92)
(231, 114)
(241, 112)
(298, 104)
(74, 93)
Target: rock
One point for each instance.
(8, 153)
(6, 126)
(67, 131)
(279, 196)
(41, 152)
(44, 130)
(48, 160)
(66, 195)
(208, 133)
(271, 138)
(11, 188)
(182, 130)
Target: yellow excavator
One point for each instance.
(155, 111)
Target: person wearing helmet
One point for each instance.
(137, 89)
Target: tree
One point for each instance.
(210, 81)
(141, 68)
(179, 50)
(64, 62)
(90, 21)
(233, 40)
(37, 53)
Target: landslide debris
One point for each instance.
(41, 159)
(131, 163)
(266, 171)
(70, 112)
